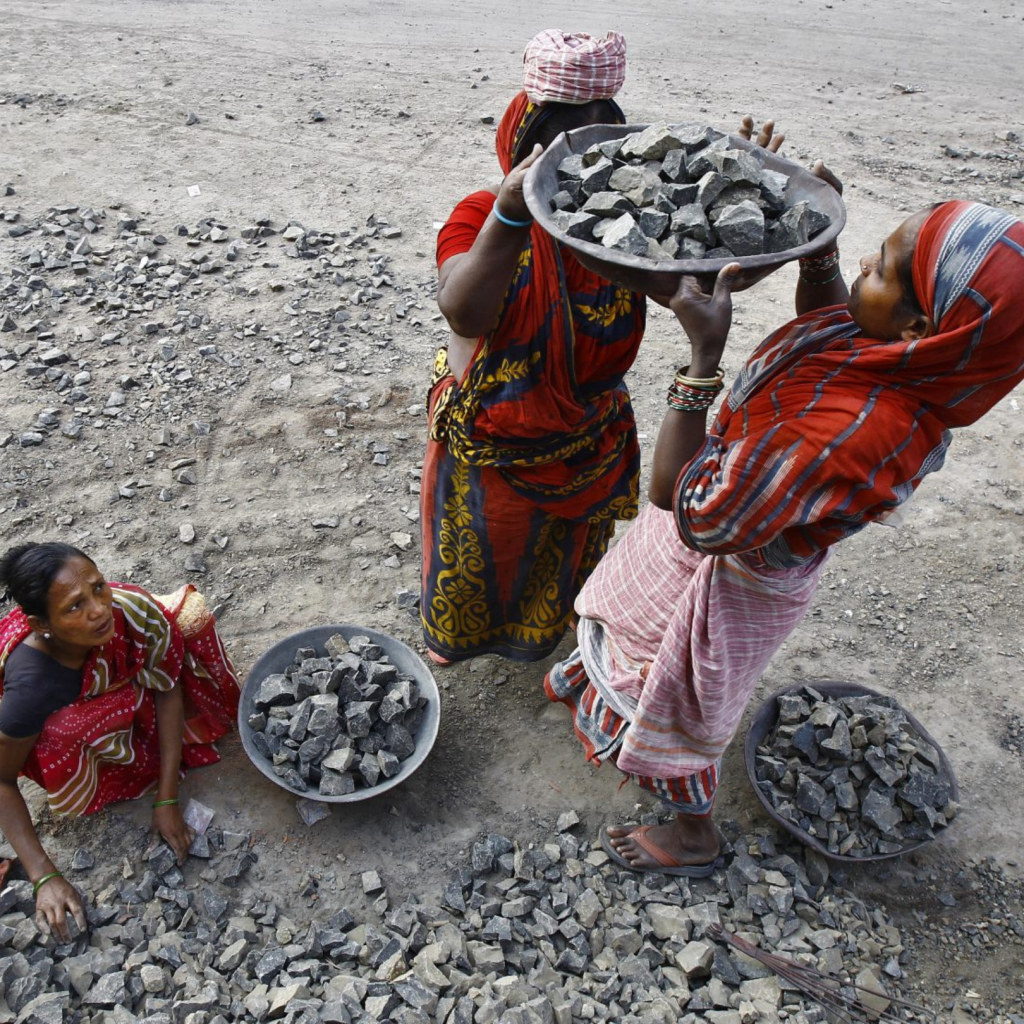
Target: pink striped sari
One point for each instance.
(689, 635)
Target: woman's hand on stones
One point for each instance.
(168, 822)
(55, 900)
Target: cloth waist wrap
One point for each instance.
(452, 424)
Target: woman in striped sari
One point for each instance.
(831, 424)
(106, 693)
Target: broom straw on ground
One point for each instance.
(829, 992)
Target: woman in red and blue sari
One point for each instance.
(533, 452)
(831, 424)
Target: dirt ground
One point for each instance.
(909, 103)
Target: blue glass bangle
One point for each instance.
(509, 221)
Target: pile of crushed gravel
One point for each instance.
(550, 934)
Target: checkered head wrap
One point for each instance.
(573, 67)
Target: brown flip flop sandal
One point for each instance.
(667, 865)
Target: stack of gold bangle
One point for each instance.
(694, 394)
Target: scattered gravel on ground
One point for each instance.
(549, 934)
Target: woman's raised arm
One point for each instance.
(821, 283)
(706, 319)
(472, 285)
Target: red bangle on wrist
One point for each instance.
(820, 270)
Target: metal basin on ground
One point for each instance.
(662, 278)
(764, 722)
(408, 663)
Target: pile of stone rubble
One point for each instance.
(91, 290)
(854, 773)
(679, 192)
(549, 935)
(328, 724)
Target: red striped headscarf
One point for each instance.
(573, 67)
(826, 430)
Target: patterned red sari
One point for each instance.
(533, 455)
(104, 747)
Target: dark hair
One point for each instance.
(27, 570)
(556, 118)
(910, 304)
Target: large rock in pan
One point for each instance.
(625, 235)
(741, 228)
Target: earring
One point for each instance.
(46, 636)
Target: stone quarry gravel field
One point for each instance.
(225, 384)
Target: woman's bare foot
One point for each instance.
(690, 839)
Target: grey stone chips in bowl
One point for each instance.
(643, 205)
(339, 713)
(849, 772)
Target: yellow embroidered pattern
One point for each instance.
(621, 305)
(458, 605)
(459, 617)
(509, 370)
(542, 610)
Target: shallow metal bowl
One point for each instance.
(662, 278)
(764, 721)
(407, 661)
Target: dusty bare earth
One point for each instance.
(909, 103)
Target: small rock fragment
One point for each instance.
(312, 811)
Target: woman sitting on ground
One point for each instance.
(106, 693)
(832, 424)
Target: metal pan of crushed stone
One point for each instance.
(764, 722)
(408, 663)
(662, 277)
